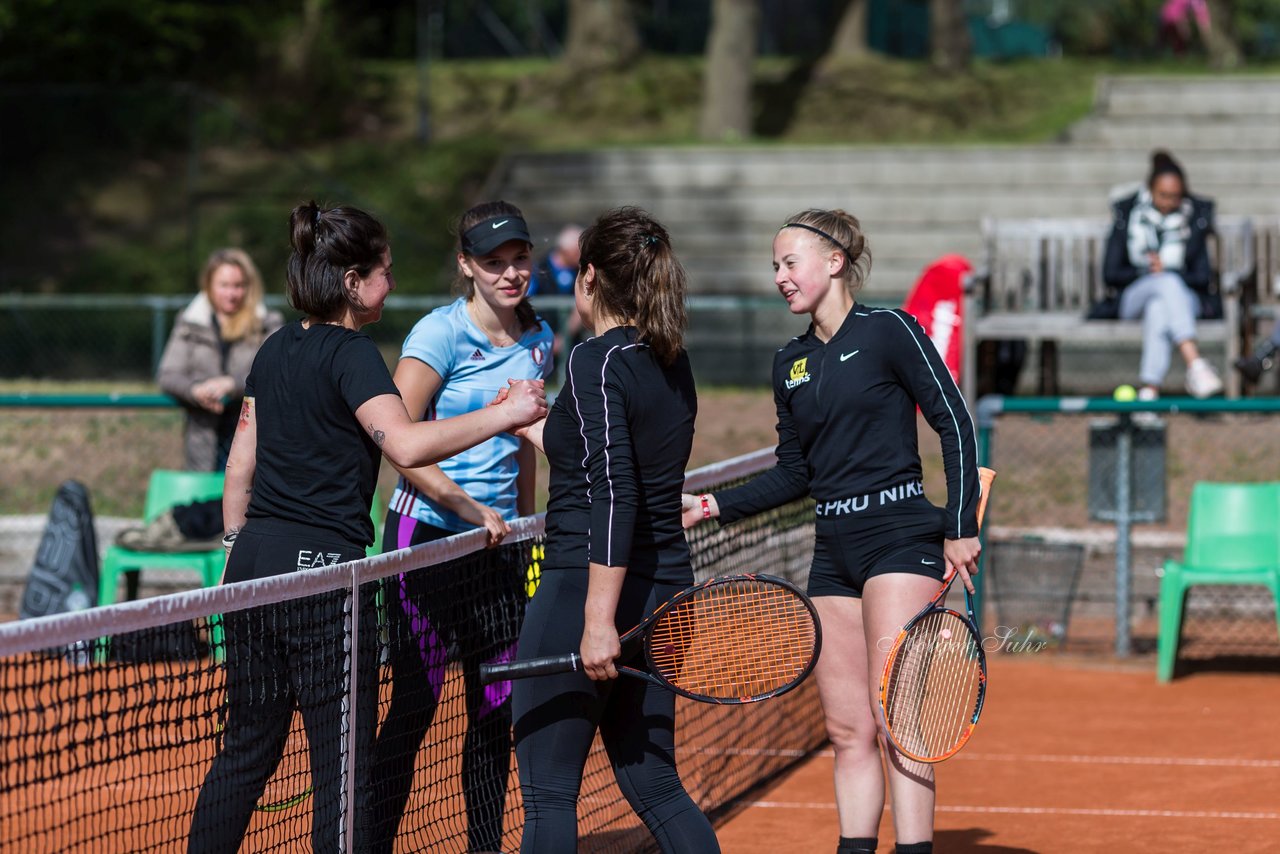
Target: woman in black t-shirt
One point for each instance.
(320, 409)
(617, 440)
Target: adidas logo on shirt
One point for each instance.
(477, 356)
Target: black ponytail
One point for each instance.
(326, 244)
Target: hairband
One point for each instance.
(317, 216)
(822, 233)
(650, 239)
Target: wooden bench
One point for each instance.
(1041, 276)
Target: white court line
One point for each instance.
(1082, 759)
(1075, 758)
(1084, 811)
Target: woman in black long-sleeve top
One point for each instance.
(618, 441)
(846, 393)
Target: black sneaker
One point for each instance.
(1251, 367)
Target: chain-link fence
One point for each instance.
(1068, 469)
(731, 340)
(1064, 568)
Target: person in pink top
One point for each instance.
(1175, 22)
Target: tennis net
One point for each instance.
(113, 716)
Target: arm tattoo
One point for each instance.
(379, 437)
(245, 409)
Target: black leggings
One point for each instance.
(283, 657)
(472, 611)
(556, 718)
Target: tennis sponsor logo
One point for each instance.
(859, 503)
(537, 355)
(477, 356)
(799, 373)
(308, 559)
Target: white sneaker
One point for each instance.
(1147, 393)
(1202, 379)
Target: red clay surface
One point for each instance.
(1073, 755)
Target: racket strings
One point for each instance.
(934, 687)
(731, 641)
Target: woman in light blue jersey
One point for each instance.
(455, 360)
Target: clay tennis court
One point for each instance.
(1075, 755)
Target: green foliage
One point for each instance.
(122, 41)
(1108, 27)
(1257, 26)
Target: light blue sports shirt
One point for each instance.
(474, 370)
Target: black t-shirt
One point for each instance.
(847, 425)
(316, 466)
(618, 440)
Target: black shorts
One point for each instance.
(849, 550)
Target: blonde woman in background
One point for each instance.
(210, 351)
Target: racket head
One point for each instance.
(933, 686)
(733, 639)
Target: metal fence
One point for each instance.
(1065, 465)
(1112, 481)
(731, 339)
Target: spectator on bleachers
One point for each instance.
(210, 351)
(555, 274)
(1158, 260)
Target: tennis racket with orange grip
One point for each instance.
(728, 640)
(935, 678)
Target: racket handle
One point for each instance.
(986, 477)
(567, 663)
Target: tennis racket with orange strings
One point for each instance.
(935, 678)
(728, 640)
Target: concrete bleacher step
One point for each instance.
(1178, 133)
(694, 170)
(1199, 96)
(723, 204)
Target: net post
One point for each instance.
(353, 664)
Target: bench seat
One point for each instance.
(1041, 276)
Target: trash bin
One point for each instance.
(1147, 482)
(1031, 584)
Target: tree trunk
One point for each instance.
(1220, 40)
(601, 35)
(950, 46)
(299, 46)
(850, 39)
(731, 55)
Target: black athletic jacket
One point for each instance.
(847, 424)
(617, 440)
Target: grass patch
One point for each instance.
(125, 215)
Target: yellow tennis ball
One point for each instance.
(1125, 394)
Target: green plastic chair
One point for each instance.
(1233, 537)
(166, 489)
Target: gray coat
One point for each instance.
(192, 356)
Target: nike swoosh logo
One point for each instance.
(500, 224)
(844, 356)
(928, 562)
